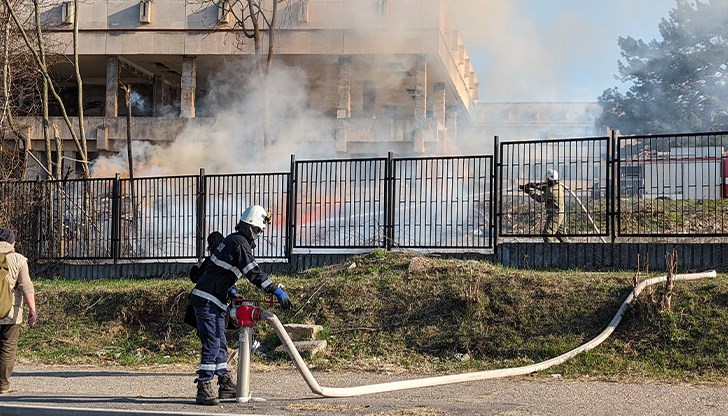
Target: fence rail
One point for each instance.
(614, 187)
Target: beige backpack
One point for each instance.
(6, 292)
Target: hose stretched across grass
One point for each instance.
(583, 208)
(472, 376)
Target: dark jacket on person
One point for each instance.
(197, 269)
(552, 197)
(230, 261)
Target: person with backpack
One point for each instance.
(15, 287)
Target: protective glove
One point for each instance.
(234, 294)
(283, 299)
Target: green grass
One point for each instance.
(127, 322)
(399, 311)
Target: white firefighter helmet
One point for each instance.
(256, 216)
(552, 175)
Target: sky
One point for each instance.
(552, 50)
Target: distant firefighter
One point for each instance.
(551, 193)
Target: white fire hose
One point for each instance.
(472, 376)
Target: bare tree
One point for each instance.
(15, 12)
(258, 21)
(79, 86)
(44, 120)
(19, 84)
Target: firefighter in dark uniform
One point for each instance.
(230, 260)
(552, 196)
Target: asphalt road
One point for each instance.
(284, 392)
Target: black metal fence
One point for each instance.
(424, 203)
(620, 187)
(330, 204)
(584, 175)
(673, 185)
(340, 203)
(442, 203)
(614, 187)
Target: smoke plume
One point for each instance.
(231, 139)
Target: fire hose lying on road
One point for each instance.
(248, 315)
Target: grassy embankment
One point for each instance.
(397, 312)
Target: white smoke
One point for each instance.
(231, 139)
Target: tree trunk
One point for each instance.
(60, 230)
(44, 103)
(79, 82)
(132, 205)
(268, 135)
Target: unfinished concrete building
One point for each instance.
(387, 75)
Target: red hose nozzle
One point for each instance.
(247, 315)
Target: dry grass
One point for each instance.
(397, 312)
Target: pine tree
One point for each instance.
(678, 83)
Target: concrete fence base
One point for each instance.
(617, 256)
(691, 257)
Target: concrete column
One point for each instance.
(438, 102)
(112, 86)
(420, 104)
(438, 113)
(343, 112)
(160, 96)
(451, 124)
(454, 41)
(369, 99)
(188, 86)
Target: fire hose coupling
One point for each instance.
(247, 314)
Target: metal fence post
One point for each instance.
(495, 208)
(291, 210)
(116, 219)
(389, 202)
(613, 185)
(201, 214)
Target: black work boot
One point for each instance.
(227, 388)
(205, 394)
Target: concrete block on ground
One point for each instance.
(307, 349)
(302, 332)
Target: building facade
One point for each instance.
(380, 75)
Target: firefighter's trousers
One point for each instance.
(554, 227)
(211, 331)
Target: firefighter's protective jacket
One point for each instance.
(552, 197)
(230, 261)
